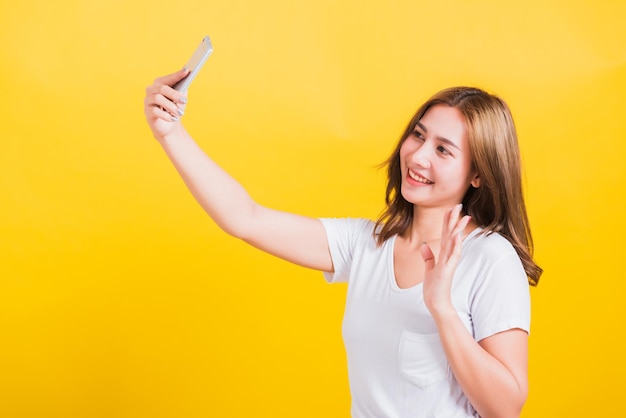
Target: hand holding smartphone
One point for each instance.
(204, 50)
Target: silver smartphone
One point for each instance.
(204, 50)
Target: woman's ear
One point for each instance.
(475, 181)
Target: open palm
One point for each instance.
(439, 272)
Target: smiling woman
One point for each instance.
(475, 131)
(438, 307)
(429, 154)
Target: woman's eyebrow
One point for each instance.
(439, 138)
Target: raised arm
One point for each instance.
(295, 238)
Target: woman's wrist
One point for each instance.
(444, 313)
(176, 134)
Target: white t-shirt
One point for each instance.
(396, 363)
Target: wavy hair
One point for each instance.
(497, 205)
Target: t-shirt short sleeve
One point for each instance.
(343, 234)
(500, 300)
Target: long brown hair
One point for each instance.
(498, 204)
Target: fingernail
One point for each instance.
(180, 112)
(183, 100)
(174, 119)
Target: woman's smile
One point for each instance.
(420, 180)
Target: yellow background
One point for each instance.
(120, 298)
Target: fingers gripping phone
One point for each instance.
(204, 50)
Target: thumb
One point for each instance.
(171, 79)
(428, 256)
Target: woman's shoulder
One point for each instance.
(352, 226)
(351, 233)
(359, 223)
(487, 243)
(489, 255)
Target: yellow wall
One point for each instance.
(120, 298)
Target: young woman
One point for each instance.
(438, 307)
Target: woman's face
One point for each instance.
(435, 160)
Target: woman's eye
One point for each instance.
(418, 134)
(443, 150)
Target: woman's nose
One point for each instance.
(421, 157)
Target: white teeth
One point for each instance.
(419, 178)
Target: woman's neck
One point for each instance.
(425, 227)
